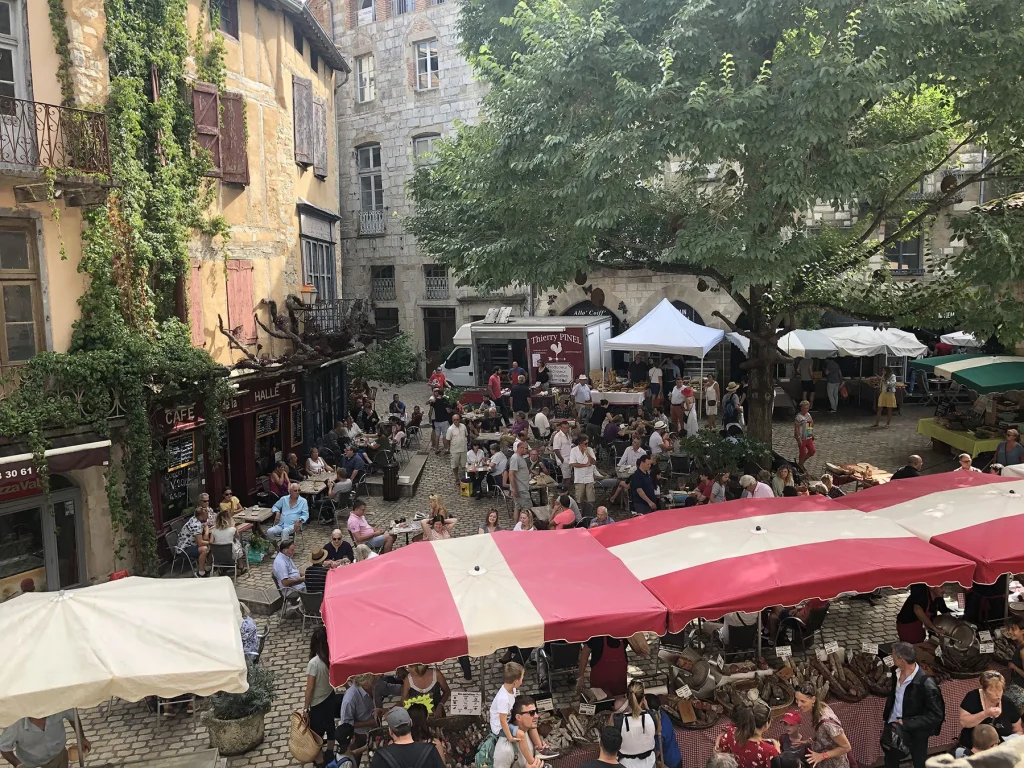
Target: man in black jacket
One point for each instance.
(915, 702)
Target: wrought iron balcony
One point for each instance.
(372, 222)
(37, 135)
(437, 287)
(342, 320)
(384, 289)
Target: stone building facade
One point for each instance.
(409, 86)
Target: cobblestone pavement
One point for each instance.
(129, 732)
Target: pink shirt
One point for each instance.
(358, 526)
(564, 518)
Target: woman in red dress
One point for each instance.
(746, 741)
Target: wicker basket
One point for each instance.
(833, 685)
(673, 715)
(780, 709)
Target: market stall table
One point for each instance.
(865, 475)
(635, 399)
(978, 517)
(962, 441)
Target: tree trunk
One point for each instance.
(761, 392)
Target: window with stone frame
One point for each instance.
(371, 182)
(366, 88)
(427, 66)
(21, 317)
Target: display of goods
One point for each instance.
(963, 664)
(691, 713)
(843, 682)
(586, 728)
(940, 674)
(805, 672)
(735, 694)
(775, 692)
(460, 741)
(1006, 651)
(556, 734)
(873, 672)
(739, 668)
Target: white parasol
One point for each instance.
(960, 339)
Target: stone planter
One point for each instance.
(234, 737)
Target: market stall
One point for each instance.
(129, 638)
(975, 516)
(972, 441)
(960, 339)
(634, 399)
(667, 331)
(983, 374)
(476, 594)
(798, 343)
(705, 562)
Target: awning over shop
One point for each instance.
(665, 330)
(982, 373)
(476, 594)
(129, 638)
(705, 562)
(64, 455)
(978, 517)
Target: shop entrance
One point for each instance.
(42, 543)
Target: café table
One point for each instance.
(406, 528)
(541, 513)
(254, 517)
(490, 437)
(313, 487)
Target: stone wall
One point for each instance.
(87, 28)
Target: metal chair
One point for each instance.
(262, 641)
(799, 634)
(413, 433)
(509, 504)
(223, 558)
(556, 658)
(284, 596)
(176, 557)
(326, 504)
(309, 607)
(742, 641)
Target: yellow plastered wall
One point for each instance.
(262, 216)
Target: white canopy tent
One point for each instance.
(960, 339)
(861, 341)
(667, 331)
(798, 343)
(129, 638)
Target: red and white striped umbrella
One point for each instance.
(979, 517)
(704, 562)
(470, 596)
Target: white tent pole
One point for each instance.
(700, 399)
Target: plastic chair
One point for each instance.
(224, 559)
(309, 607)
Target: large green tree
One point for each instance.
(694, 137)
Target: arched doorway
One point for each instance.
(689, 312)
(590, 309)
(41, 542)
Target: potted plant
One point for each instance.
(235, 720)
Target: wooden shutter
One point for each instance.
(240, 303)
(302, 107)
(320, 137)
(233, 147)
(195, 304)
(206, 113)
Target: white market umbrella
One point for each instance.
(664, 329)
(798, 343)
(960, 339)
(861, 341)
(129, 638)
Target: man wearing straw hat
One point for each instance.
(39, 742)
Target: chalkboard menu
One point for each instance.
(268, 422)
(181, 451)
(296, 423)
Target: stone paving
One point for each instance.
(129, 732)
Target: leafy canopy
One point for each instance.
(696, 136)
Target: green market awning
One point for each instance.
(982, 373)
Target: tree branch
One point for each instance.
(300, 346)
(233, 341)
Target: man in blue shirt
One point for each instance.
(292, 512)
(353, 464)
(641, 488)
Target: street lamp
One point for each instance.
(308, 294)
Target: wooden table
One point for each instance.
(541, 513)
(312, 487)
(866, 475)
(253, 517)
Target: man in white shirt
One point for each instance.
(752, 488)
(658, 439)
(581, 393)
(631, 455)
(476, 467)
(562, 444)
(542, 424)
(676, 398)
(499, 465)
(457, 439)
(39, 742)
(583, 462)
(654, 383)
(965, 463)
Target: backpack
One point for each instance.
(729, 412)
(421, 759)
(485, 752)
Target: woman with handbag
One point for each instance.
(712, 397)
(829, 745)
(320, 700)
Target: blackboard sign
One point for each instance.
(296, 423)
(268, 422)
(181, 451)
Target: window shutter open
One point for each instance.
(206, 113)
(240, 302)
(302, 107)
(234, 151)
(320, 137)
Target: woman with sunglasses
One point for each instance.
(519, 753)
(339, 551)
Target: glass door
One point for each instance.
(67, 551)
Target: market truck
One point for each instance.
(568, 346)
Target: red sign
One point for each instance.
(259, 395)
(18, 483)
(562, 353)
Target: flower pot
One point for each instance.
(234, 737)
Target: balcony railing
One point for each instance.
(372, 222)
(349, 318)
(384, 289)
(37, 135)
(437, 287)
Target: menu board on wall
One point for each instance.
(268, 422)
(296, 424)
(181, 451)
